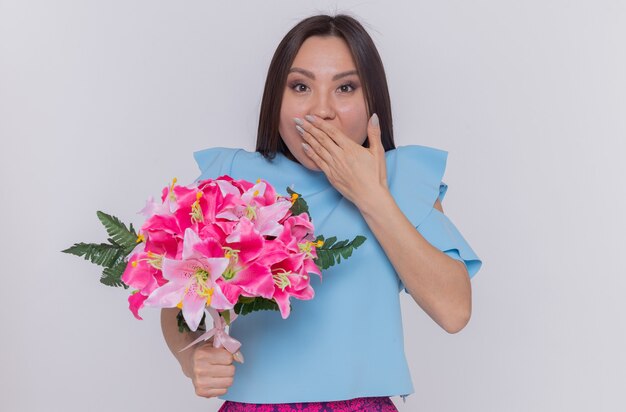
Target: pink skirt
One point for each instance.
(374, 404)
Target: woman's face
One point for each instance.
(323, 81)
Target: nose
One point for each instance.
(323, 107)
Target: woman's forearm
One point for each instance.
(438, 283)
(176, 340)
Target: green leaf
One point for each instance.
(226, 315)
(121, 235)
(258, 303)
(299, 206)
(331, 251)
(358, 241)
(112, 276)
(114, 243)
(102, 254)
(340, 244)
(329, 242)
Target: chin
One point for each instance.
(309, 164)
(314, 167)
(304, 159)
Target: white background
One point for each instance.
(103, 102)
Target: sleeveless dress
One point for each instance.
(347, 343)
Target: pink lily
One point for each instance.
(141, 272)
(301, 226)
(248, 272)
(144, 274)
(290, 280)
(192, 280)
(266, 218)
(168, 197)
(153, 207)
(296, 236)
(197, 205)
(163, 235)
(295, 230)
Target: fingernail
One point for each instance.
(310, 118)
(305, 146)
(300, 130)
(374, 119)
(298, 121)
(238, 356)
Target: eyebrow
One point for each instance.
(311, 76)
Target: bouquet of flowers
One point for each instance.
(219, 246)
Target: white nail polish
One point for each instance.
(374, 119)
(238, 356)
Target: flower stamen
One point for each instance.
(233, 255)
(281, 279)
(308, 246)
(196, 211)
(154, 260)
(171, 194)
(202, 277)
(251, 212)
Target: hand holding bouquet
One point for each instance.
(220, 246)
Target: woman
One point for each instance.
(325, 127)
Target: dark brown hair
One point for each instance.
(368, 64)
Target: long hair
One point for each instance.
(368, 65)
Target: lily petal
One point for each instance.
(167, 296)
(193, 308)
(189, 243)
(135, 302)
(282, 299)
(256, 280)
(268, 216)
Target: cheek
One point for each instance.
(288, 110)
(354, 120)
(287, 130)
(285, 117)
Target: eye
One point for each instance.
(298, 87)
(346, 88)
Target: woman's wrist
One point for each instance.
(375, 201)
(176, 340)
(185, 359)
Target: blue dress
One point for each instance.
(348, 341)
